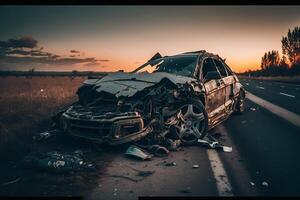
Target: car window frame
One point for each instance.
(193, 73)
(202, 65)
(226, 71)
(230, 72)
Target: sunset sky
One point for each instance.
(109, 38)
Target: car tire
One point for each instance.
(204, 123)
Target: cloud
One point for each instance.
(18, 52)
(92, 64)
(50, 60)
(15, 52)
(104, 60)
(74, 51)
(23, 42)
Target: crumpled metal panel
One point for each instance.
(90, 81)
(137, 152)
(122, 88)
(128, 84)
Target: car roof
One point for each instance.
(201, 53)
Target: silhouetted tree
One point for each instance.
(270, 59)
(291, 45)
(264, 61)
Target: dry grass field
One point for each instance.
(26, 104)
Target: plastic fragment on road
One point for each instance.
(253, 109)
(252, 184)
(213, 144)
(265, 184)
(195, 166)
(136, 152)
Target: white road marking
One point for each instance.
(222, 182)
(288, 95)
(281, 112)
(260, 87)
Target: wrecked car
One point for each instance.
(182, 96)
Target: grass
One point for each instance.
(27, 104)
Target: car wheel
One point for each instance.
(191, 122)
(240, 104)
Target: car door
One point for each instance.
(215, 91)
(228, 80)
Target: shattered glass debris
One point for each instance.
(58, 162)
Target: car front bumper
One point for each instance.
(114, 131)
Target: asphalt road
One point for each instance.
(285, 95)
(264, 161)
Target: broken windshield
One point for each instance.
(182, 65)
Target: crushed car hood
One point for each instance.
(128, 84)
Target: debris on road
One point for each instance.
(195, 166)
(136, 152)
(159, 150)
(45, 135)
(173, 145)
(213, 144)
(252, 184)
(186, 190)
(145, 173)
(59, 162)
(11, 182)
(115, 191)
(169, 164)
(156, 149)
(265, 184)
(125, 177)
(135, 175)
(244, 122)
(253, 109)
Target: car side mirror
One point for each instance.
(212, 75)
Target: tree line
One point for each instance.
(287, 65)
